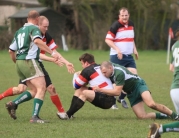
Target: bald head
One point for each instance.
(106, 68)
(33, 17)
(41, 19)
(43, 24)
(33, 14)
(106, 64)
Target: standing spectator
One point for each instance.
(28, 40)
(120, 38)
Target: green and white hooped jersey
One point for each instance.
(175, 62)
(122, 76)
(23, 42)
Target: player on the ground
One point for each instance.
(137, 92)
(91, 75)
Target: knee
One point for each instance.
(51, 89)
(141, 116)
(16, 90)
(152, 105)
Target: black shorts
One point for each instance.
(47, 77)
(20, 82)
(103, 101)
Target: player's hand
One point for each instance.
(70, 68)
(119, 55)
(59, 62)
(136, 55)
(96, 89)
(78, 72)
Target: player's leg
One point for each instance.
(129, 63)
(174, 93)
(39, 84)
(148, 100)
(157, 129)
(140, 112)
(76, 102)
(13, 91)
(99, 99)
(53, 94)
(25, 96)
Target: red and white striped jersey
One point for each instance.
(49, 42)
(123, 37)
(93, 76)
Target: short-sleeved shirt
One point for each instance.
(175, 62)
(49, 42)
(123, 77)
(23, 42)
(123, 37)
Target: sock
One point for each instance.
(122, 96)
(160, 130)
(74, 98)
(77, 104)
(37, 106)
(56, 101)
(8, 92)
(25, 96)
(173, 115)
(171, 127)
(161, 116)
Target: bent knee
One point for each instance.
(152, 105)
(17, 90)
(51, 89)
(142, 116)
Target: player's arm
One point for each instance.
(47, 58)
(135, 52)
(110, 37)
(12, 55)
(50, 59)
(69, 65)
(43, 46)
(12, 50)
(171, 67)
(113, 92)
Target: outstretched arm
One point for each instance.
(50, 59)
(69, 65)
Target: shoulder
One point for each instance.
(131, 23)
(47, 35)
(115, 23)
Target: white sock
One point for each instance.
(160, 129)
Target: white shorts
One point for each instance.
(174, 93)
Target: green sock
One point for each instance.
(25, 96)
(171, 127)
(37, 106)
(173, 116)
(161, 116)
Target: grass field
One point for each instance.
(89, 122)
